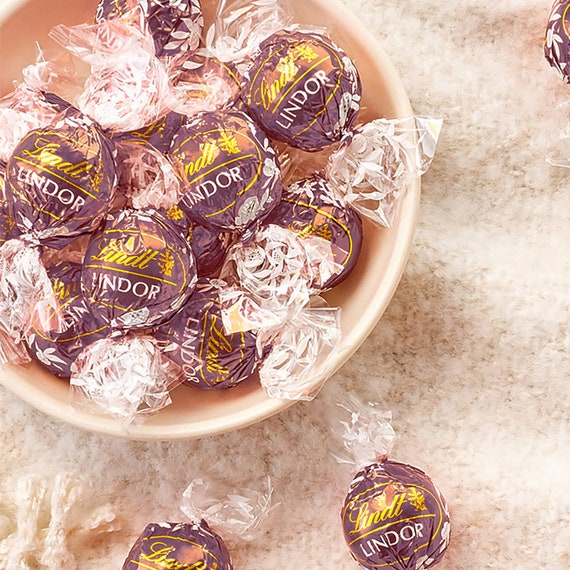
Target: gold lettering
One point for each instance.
(112, 253)
(365, 518)
(159, 557)
(46, 154)
(270, 91)
(205, 159)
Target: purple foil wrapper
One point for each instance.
(197, 341)
(138, 271)
(57, 351)
(308, 207)
(159, 134)
(209, 246)
(557, 39)
(60, 180)
(176, 25)
(394, 516)
(179, 545)
(302, 90)
(229, 171)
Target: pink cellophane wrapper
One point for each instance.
(147, 176)
(235, 510)
(241, 25)
(363, 431)
(216, 89)
(272, 276)
(25, 108)
(27, 299)
(125, 377)
(374, 164)
(299, 361)
(128, 87)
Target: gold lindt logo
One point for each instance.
(270, 91)
(217, 343)
(113, 253)
(63, 290)
(46, 153)
(207, 158)
(160, 556)
(375, 511)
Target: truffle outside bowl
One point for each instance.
(363, 297)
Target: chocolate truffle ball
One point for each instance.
(137, 271)
(302, 90)
(179, 545)
(229, 171)
(395, 517)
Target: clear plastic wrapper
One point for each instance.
(240, 26)
(128, 87)
(298, 360)
(310, 208)
(27, 108)
(56, 351)
(27, 300)
(123, 376)
(147, 177)
(204, 84)
(211, 506)
(393, 516)
(271, 276)
(375, 162)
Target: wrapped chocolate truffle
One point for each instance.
(557, 40)
(60, 180)
(308, 207)
(188, 545)
(393, 516)
(57, 351)
(302, 89)
(224, 359)
(237, 511)
(229, 171)
(175, 26)
(138, 271)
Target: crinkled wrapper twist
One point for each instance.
(126, 378)
(226, 504)
(299, 361)
(272, 276)
(240, 26)
(27, 299)
(364, 431)
(128, 87)
(375, 163)
(147, 176)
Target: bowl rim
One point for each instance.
(63, 410)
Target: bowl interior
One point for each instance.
(363, 297)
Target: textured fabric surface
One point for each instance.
(471, 355)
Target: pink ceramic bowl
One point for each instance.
(363, 297)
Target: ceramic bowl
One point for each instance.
(363, 297)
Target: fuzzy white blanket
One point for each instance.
(471, 355)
